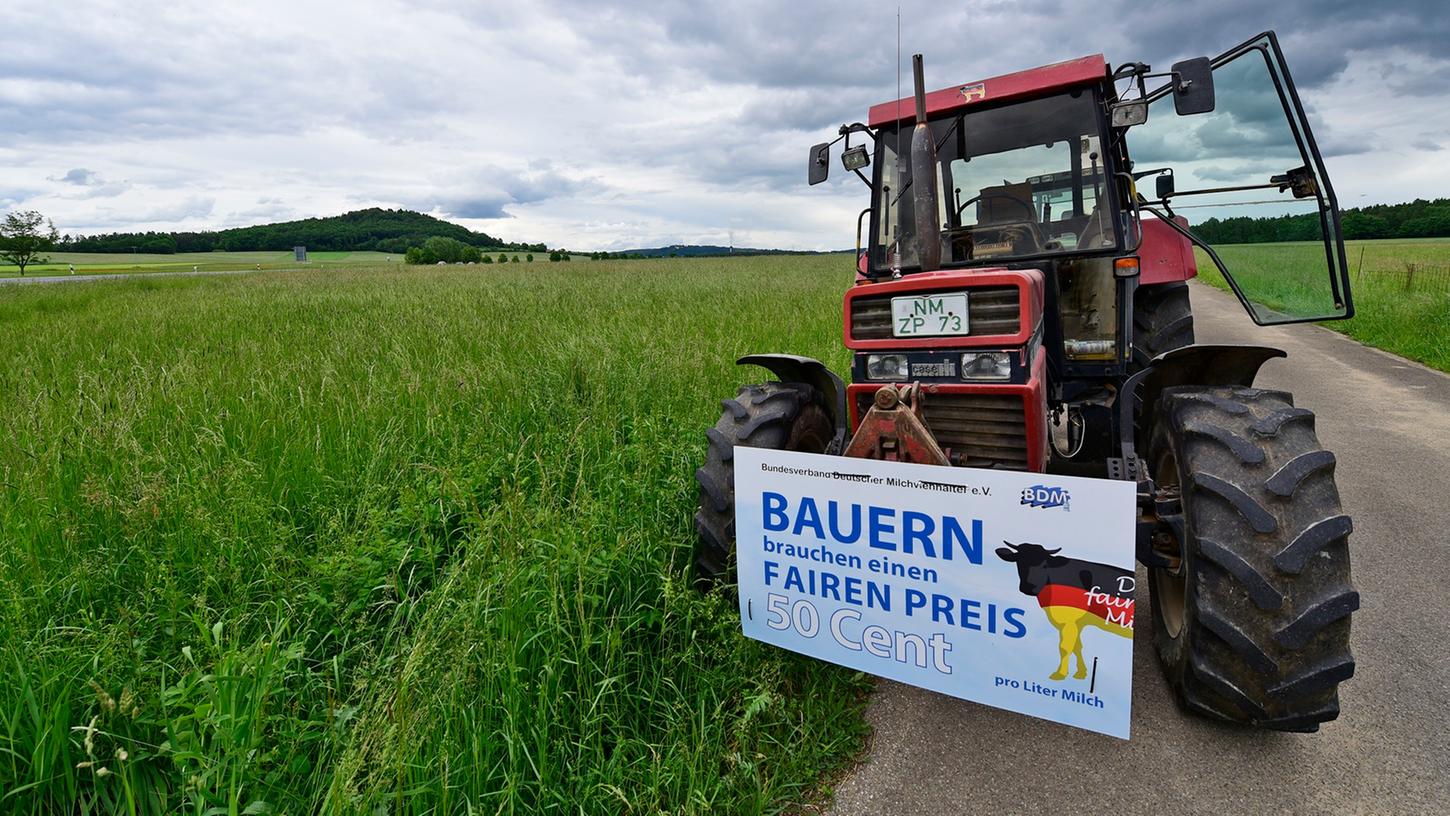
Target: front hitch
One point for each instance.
(893, 429)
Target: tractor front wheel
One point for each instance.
(779, 416)
(1252, 619)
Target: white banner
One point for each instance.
(1005, 588)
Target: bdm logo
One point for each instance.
(1044, 496)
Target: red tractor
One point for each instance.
(1021, 304)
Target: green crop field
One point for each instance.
(1401, 289)
(412, 539)
(407, 540)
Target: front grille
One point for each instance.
(979, 430)
(990, 310)
(976, 430)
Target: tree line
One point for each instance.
(374, 229)
(1412, 219)
(442, 249)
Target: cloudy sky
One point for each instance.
(592, 126)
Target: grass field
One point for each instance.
(399, 540)
(410, 540)
(1401, 289)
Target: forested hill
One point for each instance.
(371, 229)
(1414, 219)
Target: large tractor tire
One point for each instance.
(779, 416)
(1253, 626)
(1162, 321)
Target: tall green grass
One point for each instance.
(1391, 312)
(403, 541)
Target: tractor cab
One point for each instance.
(1027, 179)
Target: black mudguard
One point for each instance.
(1189, 365)
(794, 368)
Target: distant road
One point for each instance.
(125, 275)
(1388, 422)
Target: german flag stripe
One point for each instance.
(1112, 608)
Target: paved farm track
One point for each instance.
(1388, 422)
(109, 276)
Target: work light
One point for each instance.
(986, 365)
(855, 158)
(886, 367)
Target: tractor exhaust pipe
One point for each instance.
(923, 179)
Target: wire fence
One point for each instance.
(1408, 277)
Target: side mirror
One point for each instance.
(1164, 185)
(820, 163)
(1193, 86)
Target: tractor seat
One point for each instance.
(1007, 204)
(1098, 232)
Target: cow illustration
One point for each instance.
(1074, 594)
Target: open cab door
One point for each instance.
(1244, 169)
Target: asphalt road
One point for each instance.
(122, 276)
(1388, 422)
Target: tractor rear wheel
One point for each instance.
(779, 416)
(1162, 321)
(1253, 625)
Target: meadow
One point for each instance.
(375, 539)
(412, 540)
(1401, 289)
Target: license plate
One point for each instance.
(929, 315)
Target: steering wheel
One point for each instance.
(1010, 230)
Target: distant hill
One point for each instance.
(361, 230)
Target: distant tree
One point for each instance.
(515, 259)
(24, 237)
(502, 258)
(564, 256)
(421, 255)
(449, 250)
(529, 257)
(488, 259)
(553, 257)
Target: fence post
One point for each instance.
(1409, 276)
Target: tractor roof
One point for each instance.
(1031, 82)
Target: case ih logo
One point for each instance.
(977, 91)
(1044, 496)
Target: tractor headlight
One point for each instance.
(987, 365)
(887, 367)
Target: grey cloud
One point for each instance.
(171, 213)
(1427, 145)
(92, 184)
(266, 209)
(721, 100)
(13, 198)
(81, 176)
(485, 192)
